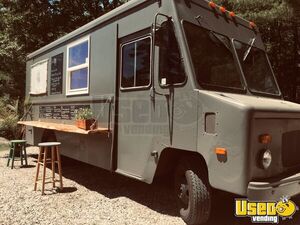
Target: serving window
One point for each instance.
(38, 78)
(78, 67)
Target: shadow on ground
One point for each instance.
(158, 196)
(4, 147)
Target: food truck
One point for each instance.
(179, 88)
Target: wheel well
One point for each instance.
(171, 157)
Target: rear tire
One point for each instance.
(194, 194)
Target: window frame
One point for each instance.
(121, 63)
(182, 84)
(78, 91)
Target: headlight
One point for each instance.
(265, 159)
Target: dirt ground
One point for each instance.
(3, 144)
(95, 196)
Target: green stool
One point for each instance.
(12, 152)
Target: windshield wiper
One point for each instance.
(249, 49)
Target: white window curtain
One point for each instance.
(38, 83)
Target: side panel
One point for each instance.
(232, 130)
(147, 125)
(93, 149)
(33, 135)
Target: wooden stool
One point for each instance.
(12, 152)
(45, 149)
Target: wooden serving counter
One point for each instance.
(62, 127)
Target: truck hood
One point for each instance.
(254, 103)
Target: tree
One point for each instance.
(27, 25)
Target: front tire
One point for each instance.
(194, 194)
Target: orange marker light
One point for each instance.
(222, 9)
(221, 151)
(252, 25)
(212, 5)
(232, 14)
(265, 138)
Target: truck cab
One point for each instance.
(248, 136)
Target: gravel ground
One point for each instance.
(3, 144)
(91, 196)
(94, 196)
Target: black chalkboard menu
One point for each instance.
(56, 75)
(62, 112)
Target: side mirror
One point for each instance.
(157, 35)
(171, 68)
(163, 33)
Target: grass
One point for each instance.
(3, 147)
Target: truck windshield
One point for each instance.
(213, 59)
(256, 69)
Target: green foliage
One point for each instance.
(259, 11)
(27, 25)
(84, 114)
(9, 116)
(12, 111)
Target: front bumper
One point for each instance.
(289, 186)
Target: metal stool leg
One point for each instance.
(9, 155)
(38, 168)
(44, 169)
(21, 153)
(59, 167)
(13, 156)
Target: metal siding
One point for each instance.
(174, 130)
(92, 149)
(231, 134)
(103, 61)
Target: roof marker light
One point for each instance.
(212, 5)
(252, 25)
(222, 9)
(232, 14)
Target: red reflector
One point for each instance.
(222, 9)
(252, 24)
(212, 4)
(232, 14)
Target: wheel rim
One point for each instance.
(183, 193)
